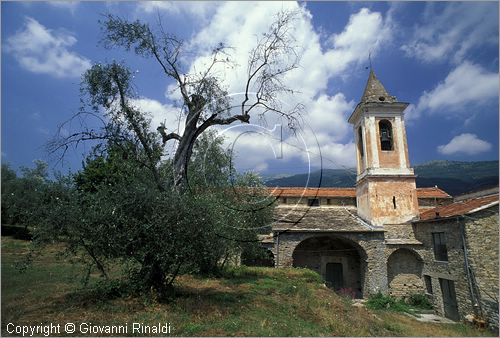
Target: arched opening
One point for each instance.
(264, 257)
(385, 132)
(341, 262)
(360, 142)
(404, 273)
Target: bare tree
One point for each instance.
(205, 101)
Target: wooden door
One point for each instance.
(449, 299)
(334, 275)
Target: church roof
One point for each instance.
(459, 208)
(375, 91)
(317, 219)
(433, 192)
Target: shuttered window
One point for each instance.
(439, 244)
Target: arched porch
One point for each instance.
(340, 261)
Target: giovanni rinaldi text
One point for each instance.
(44, 329)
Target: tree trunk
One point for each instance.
(182, 156)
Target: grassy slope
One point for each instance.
(248, 301)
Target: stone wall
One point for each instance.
(370, 247)
(453, 269)
(316, 253)
(433, 202)
(481, 233)
(323, 201)
(399, 231)
(404, 273)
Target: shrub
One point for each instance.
(420, 301)
(386, 302)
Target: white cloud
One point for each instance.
(65, 4)
(40, 50)
(453, 32)
(468, 85)
(161, 113)
(364, 33)
(468, 144)
(240, 24)
(197, 9)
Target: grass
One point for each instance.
(244, 302)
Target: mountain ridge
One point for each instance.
(454, 177)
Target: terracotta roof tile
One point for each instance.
(344, 192)
(458, 208)
(433, 192)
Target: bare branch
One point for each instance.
(166, 137)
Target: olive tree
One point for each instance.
(132, 204)
(114, 213)
(204, 98)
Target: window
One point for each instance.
(439, 244)
(360, 141)
(313, 202)
(428, 284)
(385, 131)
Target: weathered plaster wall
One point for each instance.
(390, 200)
(388, 158)
(363, 201)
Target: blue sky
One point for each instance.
(440, 57)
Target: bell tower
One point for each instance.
(385, 184)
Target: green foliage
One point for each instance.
(113, 211)
(420, 301)
(130, 207)
(22, 196)
(387, 302)
(380, 301)
(103, 84)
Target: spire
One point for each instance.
(375, 91)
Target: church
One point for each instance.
(386, 235)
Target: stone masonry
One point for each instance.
(386, 235)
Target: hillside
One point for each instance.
(243, 302)
(452, 176)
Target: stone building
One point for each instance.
(387, 235)
(460, 256)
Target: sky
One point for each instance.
(441, 57)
